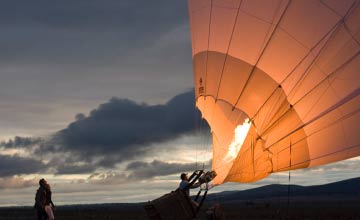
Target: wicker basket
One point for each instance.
(172, 206)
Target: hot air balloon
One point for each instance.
(278, 81)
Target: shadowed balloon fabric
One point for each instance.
(291, 68)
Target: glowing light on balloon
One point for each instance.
(241, 132)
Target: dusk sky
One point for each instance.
(97, 97)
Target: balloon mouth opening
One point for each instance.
(240, 133)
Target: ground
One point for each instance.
(304, 208)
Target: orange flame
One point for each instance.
(241, 132)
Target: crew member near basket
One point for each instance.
(185, 182)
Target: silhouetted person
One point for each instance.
(40, 201)
(43, 202)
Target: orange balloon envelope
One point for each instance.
(278, 81)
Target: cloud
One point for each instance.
(108, 178)
(139, 171)
(142, 170)
(15, 165)
(16, 183)
(75, 169)
(122, 129)
(346, 165)
(21, 142)
(117, 131)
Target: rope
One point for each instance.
(288, 196)
(198, 129)
(279, 192)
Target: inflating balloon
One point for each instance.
(278, 81)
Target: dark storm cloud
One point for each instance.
(15, 165)
(21, 142)
(142, 170)
(115, 132)
(75, 169)
(122, 129)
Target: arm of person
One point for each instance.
(195, 185)
(52, 204)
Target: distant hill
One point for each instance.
(350, 187)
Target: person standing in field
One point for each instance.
(43, 201)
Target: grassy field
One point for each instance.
(302, 208)
(80, 212)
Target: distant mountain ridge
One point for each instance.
(350, 187)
